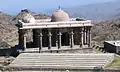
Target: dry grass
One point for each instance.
(115, 63)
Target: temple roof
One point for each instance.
(59, 16)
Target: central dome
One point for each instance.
(59, 16)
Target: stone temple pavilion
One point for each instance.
(60, 31)
(60, 44)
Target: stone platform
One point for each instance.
(51, 61)
(63, 49)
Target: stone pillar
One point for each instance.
(22, 38)
(84, 35)
(81, 37)
(89, 41)
(40, 40)
(56, 43)
(59, 39)
(25, 42)
(72, 38)
(49, 38)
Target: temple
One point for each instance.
(59, 44)
(60, 31)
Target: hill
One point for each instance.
(8, 30)
(106, 30)
(100, 11)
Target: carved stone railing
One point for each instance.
(54, 24)
(49, 20)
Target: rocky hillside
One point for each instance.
(106, 30)
(99, 11)
(8, 30)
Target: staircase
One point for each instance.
(38, 61)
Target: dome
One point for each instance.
(59, 15)
(28, 18)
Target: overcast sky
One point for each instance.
(12, 6)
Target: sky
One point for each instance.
(14, 6)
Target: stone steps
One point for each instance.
(49, 60)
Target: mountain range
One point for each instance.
(99, 11)
(96, 11)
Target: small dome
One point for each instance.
(59, 15)
(28, 18)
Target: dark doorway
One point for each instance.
(45, 37)
(54, 37)
(65, 39)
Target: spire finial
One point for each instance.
(59, 8)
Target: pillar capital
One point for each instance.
(81, 30)
(71, 32)
(59, 34)
(85, 29)
(49, 34)
(89, 28)
(40, 35)
(25, 35)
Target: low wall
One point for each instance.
(78, 50)
(5, 52)
(9, 52)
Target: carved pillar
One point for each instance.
(59, 39)
(25, 42)
(89, 41)
(56, 43)
(81, 37)
(56, 39)
(71, 38)
(84, 35)
(40, 40)
(49, 38)
(22, 38)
